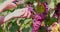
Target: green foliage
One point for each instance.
(40, 8)
(50, 21)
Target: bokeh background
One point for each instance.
(24, 24)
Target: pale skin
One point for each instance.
(18, 13)
(8, 4)
(24, 13)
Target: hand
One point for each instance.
(24, 13)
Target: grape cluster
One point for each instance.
(38, 18)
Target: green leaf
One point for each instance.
(14, 27)
(20, 6)
(42, 29)
(50, 21)
(1, 30)
(51, 12)
(40, 8)
(29, 29)
(58, 1)
(42, 0)
(26, 23)
(51, 4)
(27, 20)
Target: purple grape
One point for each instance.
(37, 22)
(38, 18)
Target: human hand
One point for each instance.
(20, 13)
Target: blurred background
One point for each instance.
(24, 24)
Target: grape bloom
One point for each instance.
(38, 18)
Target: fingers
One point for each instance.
(24, 13)
(27, 14)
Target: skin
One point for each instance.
(24, 13)
(8, 4)
(19, 13)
